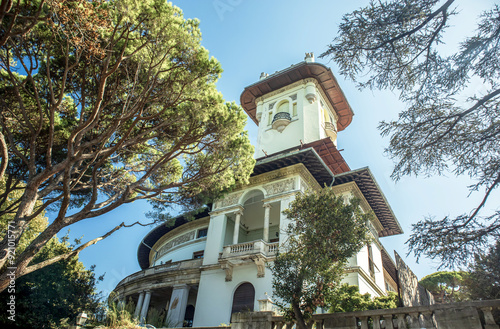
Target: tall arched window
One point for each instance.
(243, 299)
(283, 107)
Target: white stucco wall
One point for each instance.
(215, 295)
(182, 252)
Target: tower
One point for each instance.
(297, 106)
(205, 269)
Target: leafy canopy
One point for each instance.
(104, 103)
(324, 231)
(452, 118)
(349, 299)
(446, 286)
(483, 279)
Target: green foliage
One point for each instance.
(156, 317)
(445, 286)
(447, 126)
(108, 102)
(349, 299)
(59, 291)
(483, 281)
(119, 315)
(323, 233)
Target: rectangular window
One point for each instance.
(294, 109)
(371, 263)
(202, 233)
(198, 254)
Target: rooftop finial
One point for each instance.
(309, 58)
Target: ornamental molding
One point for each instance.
(286, 185)
(302, 85)
(227, 210)
(161, 276)
(228, 200)
(323, 97)
(188, 227)
(354, 191)
(369, 280)
(296, 169)
(172, 243)
(271, 94)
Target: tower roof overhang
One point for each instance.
(375, 198)
(294, 73)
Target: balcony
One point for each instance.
(252, 248)
(281, 120)
(258, 252)
(330, 130)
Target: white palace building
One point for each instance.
(203, 270)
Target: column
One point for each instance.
(178, 303)
(215, 238)
(267, 208)
(284, 221)
(236, 231)
(145, 307)
(139, 305)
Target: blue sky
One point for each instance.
(253, 36)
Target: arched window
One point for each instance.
(283, 107)
(243, 299)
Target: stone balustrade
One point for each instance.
(194, 263)
(250, 248)
(467, 315)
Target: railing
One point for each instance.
(160, 269)
(242, 247)
(282, 116)
(273, 247)
(250, 248)
(470, 315)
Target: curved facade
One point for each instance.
(198, 272)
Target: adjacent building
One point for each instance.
(201, 271)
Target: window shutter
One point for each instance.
(243, 299)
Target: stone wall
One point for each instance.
(467, 315)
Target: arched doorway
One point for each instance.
(243, 299)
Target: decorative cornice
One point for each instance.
(185, 228)
(231, 209)
(298, 168)
(366, 277)
(228, 200)
(302, 84)
(354, 190)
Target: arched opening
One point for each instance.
(243, 299)
(283, 107)
(189, 316)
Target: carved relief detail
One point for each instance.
(260, 262)
(174, 242)
(228, 268)
(304, 187)
(280, 187)
(228, 200)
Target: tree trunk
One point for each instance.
(301, 324)
(18, 223)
